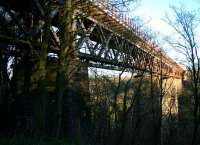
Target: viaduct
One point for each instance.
(108, 39)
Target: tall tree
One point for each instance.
(42, 83)
(185, 23)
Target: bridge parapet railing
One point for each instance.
(117, 14)
(123, 19)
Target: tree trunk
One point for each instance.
(66, 70)
(42, 83)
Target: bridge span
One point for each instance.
(109, 39)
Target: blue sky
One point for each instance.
(157, 8)
(154, 11)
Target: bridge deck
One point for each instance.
(110, 18)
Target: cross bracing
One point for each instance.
(106, 36)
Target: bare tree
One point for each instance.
(185, 23)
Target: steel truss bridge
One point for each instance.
(108, 39)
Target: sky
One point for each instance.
(154, 11)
